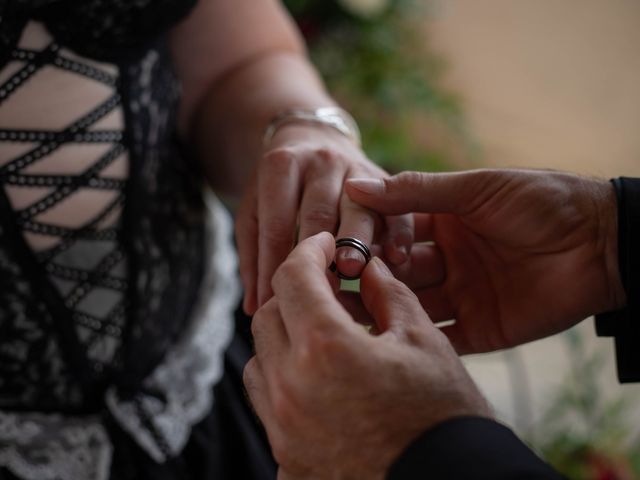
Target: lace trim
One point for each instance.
(52, 447)
(176, 396)
(181, 386)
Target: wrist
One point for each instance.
(318, 138)
(328, 118)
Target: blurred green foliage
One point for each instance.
(380, 68)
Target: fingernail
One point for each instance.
(350, 254)
(370, 186)
(402, 254)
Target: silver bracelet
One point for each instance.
(334, 117)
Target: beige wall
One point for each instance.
(550, 84)
(547, 83)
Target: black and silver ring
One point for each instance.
(353, 243)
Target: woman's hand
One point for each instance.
(295, 192)
(516, 255)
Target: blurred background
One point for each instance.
(451, 84)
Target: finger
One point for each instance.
(278, 198)
(257, 390)
(407, 192)
(389, 301)
(305, 296)
(425, 268)
(321, 198)
(423, 226)
(398, 238)
(246, 230)
(436, 303)
(285, 475)
(356, 222)
(269, 335)
(352, 303)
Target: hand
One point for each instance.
(518, 254)
(336, 401)
(299, 183)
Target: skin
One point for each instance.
(336, 401)
(296, 182)
(512, 255)
(515, 255)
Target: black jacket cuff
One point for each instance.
(470, 447)
(624, 324)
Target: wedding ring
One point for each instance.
(353, 243)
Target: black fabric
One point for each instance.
(106, 30)
(624, 325)
(229, 444)
(45, 267)
(54, 357)
(470, 447)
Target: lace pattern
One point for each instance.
(85, 262)
(180, 388)
(146, 353)
(33, 369)
(96, 28)
(52, 447)
(128, 282)
(164, 221)
(177, 395)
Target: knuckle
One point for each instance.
(284, 454)
(408, 179)
(325, 154)
(280, 157)
(281, 452)
(396, 289)
(323, 216)
(249, 373)
(257, 323)
(318, 351)
(321, 162)
(417, 335)
(264, 317)
(288, 272)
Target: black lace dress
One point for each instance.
(90, 308)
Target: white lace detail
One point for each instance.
(196, 363)
(53, 447)
(48, 447)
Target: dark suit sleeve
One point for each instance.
(470, 447)
(624, 325)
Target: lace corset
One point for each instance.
(101, 216)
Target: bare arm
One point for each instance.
(240, 62)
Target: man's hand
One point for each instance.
(297, 191)
(336, 401)
(517, 254)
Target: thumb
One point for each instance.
(409, 192)
(390, 302)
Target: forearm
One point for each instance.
(227, 128)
